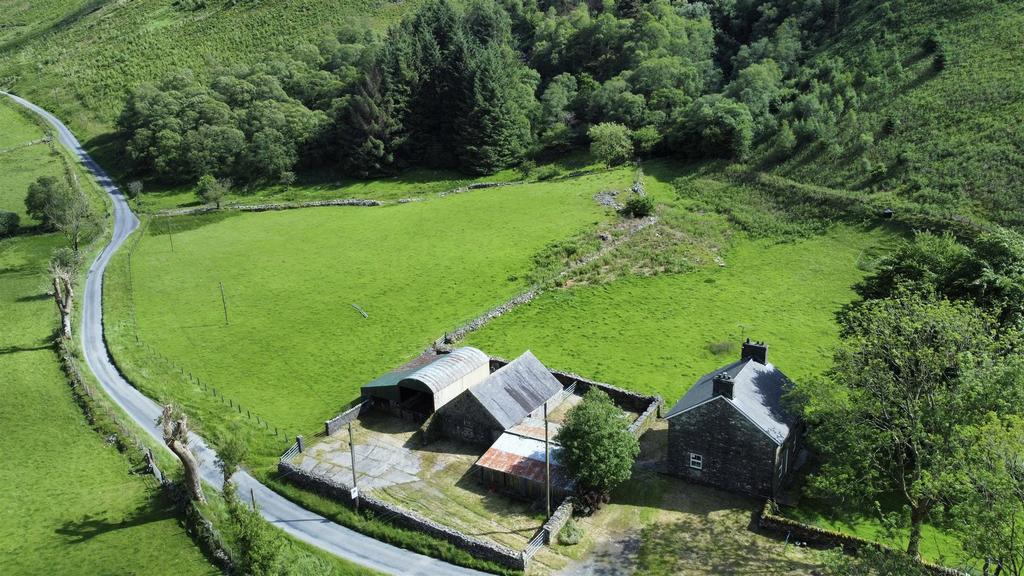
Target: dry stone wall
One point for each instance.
(405, 518)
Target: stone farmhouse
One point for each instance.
(730, 430)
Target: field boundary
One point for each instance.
(199, 528)
(397, 515)
(527, 296)
(770, 520)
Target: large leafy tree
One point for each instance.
(911, 373)
(991, 508)
(597, 446)
(988, 271)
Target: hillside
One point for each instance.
(954, 136)
(917, 97)
(79, 57)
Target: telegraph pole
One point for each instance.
(547, 460)
(224, 301)
(352, 453)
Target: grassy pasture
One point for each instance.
(416, 183)
(295, 350)
(70, 505)
(20, 166)
(657, 335)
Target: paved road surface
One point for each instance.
(292, 518)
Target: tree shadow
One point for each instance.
(156, 508)
(34, 297)
(15, 349)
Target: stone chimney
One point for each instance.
(722, 385)
(756, 351)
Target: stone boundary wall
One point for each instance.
(334, 424)
(646, 418)
(559, 517)
(401, 517)
(769, 520)
(270, 206)
(479, 321)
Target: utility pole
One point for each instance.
(547, 460)
(352, 453)
(224, 301)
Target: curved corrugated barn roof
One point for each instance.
(448, 368)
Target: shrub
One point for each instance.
(8, 224)
(639, 206)
(570, 534)
(547, 172)
(611, 143)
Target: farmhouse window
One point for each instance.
(696, 461)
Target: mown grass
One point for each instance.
(295, 351)
(937, 545)
(70, 505)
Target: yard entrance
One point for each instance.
(435, 481)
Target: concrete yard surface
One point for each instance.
(435, 481)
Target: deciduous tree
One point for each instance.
(597, 446)
(611, 143)
(910, 373)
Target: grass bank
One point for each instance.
(70, 504)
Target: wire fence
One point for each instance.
(168, 367)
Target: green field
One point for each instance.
(295, 350)
(21, 165)
(656, 335)
(70, 505)
(411, 184)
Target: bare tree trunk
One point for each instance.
(63, 295)
(191, 469)
(175, 429)
(917, 514)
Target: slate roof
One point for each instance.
(510, 393)
(448, 368)
(524, 458)
(757, 393)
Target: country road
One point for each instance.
(290, 517)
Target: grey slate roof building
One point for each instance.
(501, 401)
(731, 429)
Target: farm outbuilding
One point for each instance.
(731, 429)
(501, 401)
(426, 384)
(515, 464)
